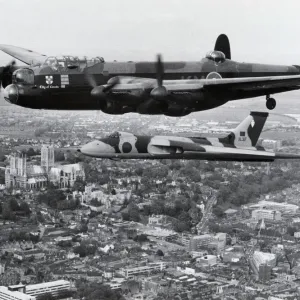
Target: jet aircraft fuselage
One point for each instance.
(241, 144)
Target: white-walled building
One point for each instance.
(6, 294)
(283, 207)
(52, 287)
(267, 214)
(131, 271)
(261, 258)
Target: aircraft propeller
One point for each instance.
(160, 91)
(6, 73)
(100, 91)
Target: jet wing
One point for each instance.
(172, 148)
(29, 57)
(159, 146)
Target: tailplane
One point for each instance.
(247, 133)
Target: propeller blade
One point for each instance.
(91, 80)
(159, 70)
(98, 92)
(6, 73)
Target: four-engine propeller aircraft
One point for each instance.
(239, 145)
(171, 88)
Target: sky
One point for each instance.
(265, 31)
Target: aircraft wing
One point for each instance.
(29, 57)
(167, 148)
(233, 84)
(253, 83)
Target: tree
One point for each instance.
(59, 156)
(7, 213)
(218, 211)
(245, 236)
(291, 230)
(14, 205)
(141, 238)
(79, 184)
(96, 202)
(25, 208)
(93, 291)
(80, 250)
(84, 228)
(159, 253)
(30, 152)
(180, 226)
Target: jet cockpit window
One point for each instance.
(216, 56)
(114, 135)
(23, 76)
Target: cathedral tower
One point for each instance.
(47, 157)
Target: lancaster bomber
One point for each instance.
(170, 88)
(240, 145)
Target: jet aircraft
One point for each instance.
(240, 145)
(170, 88)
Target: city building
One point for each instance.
(7, 294)
(262, 264)
(151, 267)
(217, 242)
(272, 144)
(198, 241)
(268, 214)
(157, 220)
(47, 157)
(233, 255)
(54, 288)
(264, 272)
(22, 174)
(282, 207)
(208, 260)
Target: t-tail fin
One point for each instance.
(247, 133)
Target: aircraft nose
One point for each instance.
(11, 94)
(97, 149)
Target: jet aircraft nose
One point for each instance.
(97, 149)
(11, 94)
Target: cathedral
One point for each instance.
(22, 174)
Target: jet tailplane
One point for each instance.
(247, 133)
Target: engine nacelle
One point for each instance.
(174, 110)
(152, 107)
(114, 108)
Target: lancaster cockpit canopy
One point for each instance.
(72, 62)
(216, 56)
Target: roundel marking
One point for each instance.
(213, 75)
(126, 147)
